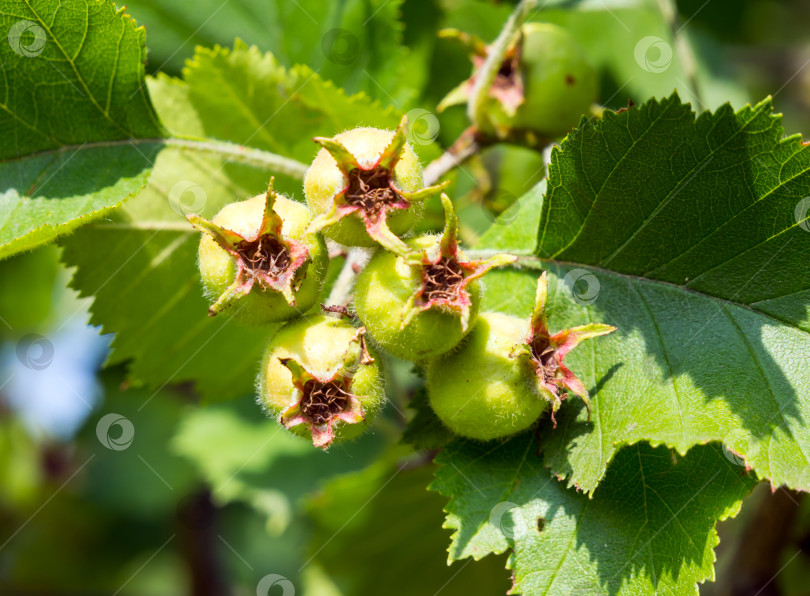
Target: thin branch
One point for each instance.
(467, 145)
(254, 157)
(247, 155)
(757, 554)
(476, 107)
(356, 260)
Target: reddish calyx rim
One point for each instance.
(546, 353)
(446, 274)
(321, 402)
(371, 192)
(268, 259)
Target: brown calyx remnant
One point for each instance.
(507, 77)
(442, 280)
(371, 190)
(543, 356)
(321, 401)
(264, 257)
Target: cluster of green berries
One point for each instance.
(264, 260)
(543, 86)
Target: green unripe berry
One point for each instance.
(559, 83)
(481, 390)
(507, 373)
(365, 187)
(422, 304)
(261, 277)
(543, 87)
(381, 298)
(319, 380)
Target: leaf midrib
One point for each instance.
(79, 77)
(596, 192)
(693, 171)
(533, 262)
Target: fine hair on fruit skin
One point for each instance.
(478, 390)
(519, 368)
(381, 295)
(329, 355)
(257, 303)
(365, 187)
(421, 305)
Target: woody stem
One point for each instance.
(356, 260)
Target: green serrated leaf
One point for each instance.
(690, 236)
(244, 95)
(649, 528)
(141, 265)
(356, 43)
(425, 430)
(515, 230)
(79, 132)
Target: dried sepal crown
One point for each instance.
(322, 400)
(447, 274)
(546, 352)
(370, 192)
(267, 258)
(507, 88)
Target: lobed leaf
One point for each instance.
(691, 236)
(648, 529)
(79, 131)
